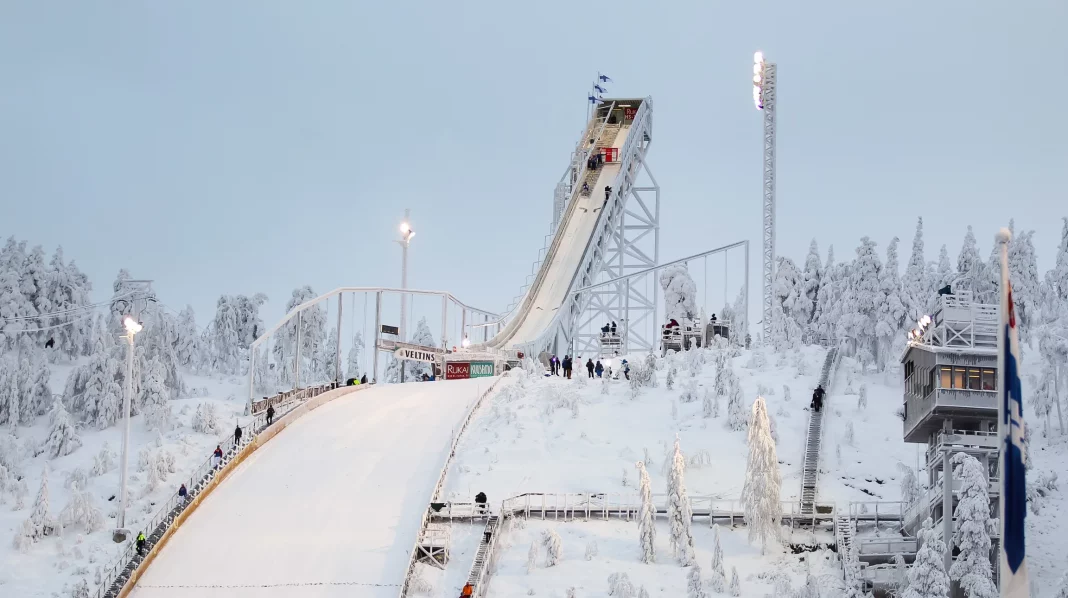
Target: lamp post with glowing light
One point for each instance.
(406, 238)
(132, 327)
(764, 99)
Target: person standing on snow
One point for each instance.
(598, 369)
(589, 367)
(626, 369)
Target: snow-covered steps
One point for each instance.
(813, 437)
(480, 567)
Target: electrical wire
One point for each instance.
(72, 310)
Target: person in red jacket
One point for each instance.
(217, 455)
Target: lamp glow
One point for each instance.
(132, 325)
(404, 228)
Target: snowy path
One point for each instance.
(336, 498)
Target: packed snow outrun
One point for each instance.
(300, 504)
(426, 300)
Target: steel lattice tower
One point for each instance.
(764, 98)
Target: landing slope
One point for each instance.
(328, 508)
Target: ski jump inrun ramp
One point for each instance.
(330, 506)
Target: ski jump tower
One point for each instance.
(951, 404)
(606, 224)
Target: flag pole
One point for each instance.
(1012, 499)
(1003, 237)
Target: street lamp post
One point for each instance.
(132, 327)
(764, 98)
(406, 238)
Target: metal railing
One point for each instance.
(112, 577)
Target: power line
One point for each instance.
(68, 311)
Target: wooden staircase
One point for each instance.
(811, 471)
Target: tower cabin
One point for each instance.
(951, 403)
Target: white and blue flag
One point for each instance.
(1013, 561)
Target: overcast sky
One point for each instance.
(238, 147)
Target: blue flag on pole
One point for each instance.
(599, 88)
(604, 78)
(592, 99)
(1013, 561)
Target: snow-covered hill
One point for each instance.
(55, 564)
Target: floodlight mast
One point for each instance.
(764, 98)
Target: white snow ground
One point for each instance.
(335, 498)
(55, 563)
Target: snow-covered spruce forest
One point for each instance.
(62, 378)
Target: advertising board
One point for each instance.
(481, 369)
(457, 370)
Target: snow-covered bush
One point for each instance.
(206, 419)
(694, 585)
(763, 481)
(862, 399)
(785, 392)
(910, 486)
(670, 382)
(680, 293)
(62, 437)
(736, 584)
(1038, 488)
(103, 462)
(689, 391)
(972, 536)
(850, 434)
(532, 557)
(718, 581)
(554, 548)
(591, 550)
(709, 405)
(155, 396)
(76, 478)
(646, 516)
(81, 512)
(619, 585)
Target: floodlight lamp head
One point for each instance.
(758, 57)
(132, 326)
(466, 342)
(404, 228)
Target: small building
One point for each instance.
(951, 403)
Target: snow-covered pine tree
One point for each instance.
(788, 291)
(927, 576)
(910, 486)
(810, 282)
(62, 437)
(155, 396)
(890, 318)
(1023, 275)
(825, 321)
(707, 405)
(915, 288)
(695, 587)
(187, 347)
(646, 516)
(763, 481)
(103, 462)
(972, 536)
(554, 548)
(944, 274)
(736, 582)
(81, 512)
(736, 418)
(862, 399)
(670, 382)
(861, 300)
(236, 325)
(718, 581)
(352, 367)
(80, 589)
(206, 419)
(39, 524)
(413, 370)
(680, 293)
(620, 586)
(325, 362)
(680, 515)
(67, 290)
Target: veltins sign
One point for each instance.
(481, 369)
(457, 370)
(414, 355)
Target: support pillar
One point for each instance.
(377, 335)
(947, 508)
(296, 357)
(337, 371)
(444, 322)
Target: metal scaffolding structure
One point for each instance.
(764, 98)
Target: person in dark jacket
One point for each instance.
(598, 369)
(626, 369)
(217, 455)
(480, 502)
(237, 434)
(607, 192)
(183, 493)
(817, 398)
(613, 328)
(270, 414)
(589, 367)
(363, 379)
(141, 543)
